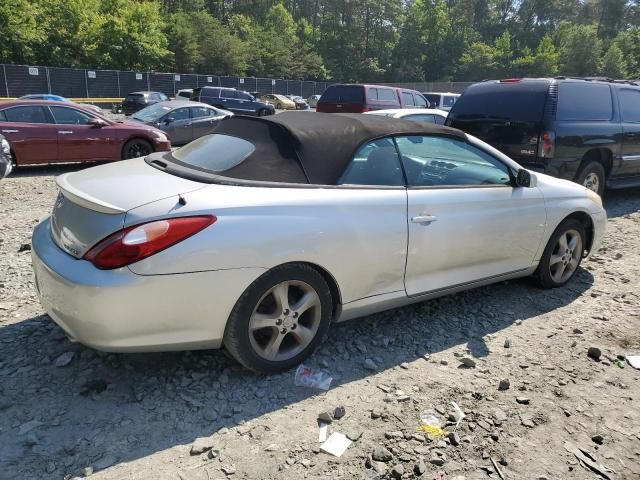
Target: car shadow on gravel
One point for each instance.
(97, 409)
(622, 202)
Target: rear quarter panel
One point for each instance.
(359, 236)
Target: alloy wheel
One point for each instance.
(592, 182)
(566, 256)
(137, 149)
(285, 320)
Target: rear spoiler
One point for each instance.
(83, 199)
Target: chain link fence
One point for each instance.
(18, 80)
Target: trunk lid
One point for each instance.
(508, 116)
(93, 203)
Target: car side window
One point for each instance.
(584, 101)
(407, 98)
(448, 101)
(419, 101)
(69, 116)
(244, 96)
(179, 114)
(3, 117)
(27, 114)
(630, 105)
(376, 163)
(439, 120)
(372, 94)
(433, 161)
(228, 94)
(387, 95)
(200, 112)
(420, 117)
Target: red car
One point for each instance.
(357, 98)
(50, 132)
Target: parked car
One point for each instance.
(299, 102)
(138, 100)
(58, 98)
(194, 248)
(313, 100)
(348, 98)
(235, 101)
(6, 160)
(50, 132)
(581, 130)
(184, 94)
(414, 114)
(182, 120)
(442, 101)
(280, 102)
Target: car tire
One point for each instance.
(560, 261)
(263, 112)
(593, 177)
(264, 331)
(278, 106)
(136, 147)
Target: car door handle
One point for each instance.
(10, 131)
(424, 219)
(65, 132)
(630, 134)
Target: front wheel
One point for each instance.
(263, 112)
(562, 255)
(592, 176)
(136, 148)
(280, 319)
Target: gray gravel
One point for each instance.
(67, 410)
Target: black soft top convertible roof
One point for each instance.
(310, 147)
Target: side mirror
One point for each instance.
(169, 120)
(97, 122)
(526, 179)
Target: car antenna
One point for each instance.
(181, 199)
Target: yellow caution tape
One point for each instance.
(432, 431)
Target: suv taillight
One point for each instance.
(547, 145)
(134, 243)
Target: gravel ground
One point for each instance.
(67, 410)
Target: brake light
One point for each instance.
(134, 243)
(547, 145)
(510, 80)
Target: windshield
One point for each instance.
(214, 153)
(152, 113)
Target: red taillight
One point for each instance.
(364, 109)
(547, 145)
(141, 241)
(510, 80)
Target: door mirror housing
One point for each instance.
(169, 120)
(97, 122)
(526, 179)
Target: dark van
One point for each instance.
(351, 98)
(233, 100)
(583, 130)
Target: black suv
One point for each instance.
(586, 130)
(233, 100)
(136, 101)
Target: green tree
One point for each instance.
(629, 44)
(580, 50)
(613, 63)
(21, 34)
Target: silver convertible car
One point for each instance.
(259, 236)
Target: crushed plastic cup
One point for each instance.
(429, 417)
(308, 377)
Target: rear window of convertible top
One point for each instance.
(229, 152)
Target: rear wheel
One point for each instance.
(263, 112)
(562, 255)
(280, 319)
(135, 148)
(593, 177)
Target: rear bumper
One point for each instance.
(120, 311)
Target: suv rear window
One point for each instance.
(584, 101)
(214, 153)
(135, 96)
(344, 94)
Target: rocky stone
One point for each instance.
(594, 353)
(24, 247)
(257, 432)
(468, 362)
(523, 400)
(454, 438)
(64, 359)
(354, 435)
(290, 461)
(436, 460)
(394, 435)
(376, 413)
(504, 384)
(381, 454)
(86, 471)
(507, 343)
(404, 365)
(419, 468)
(527, 421)
(325, 417)
(598, 439)
(499, 417)
(201, 445)
(228, 469)
(397, 471)
(339, 412)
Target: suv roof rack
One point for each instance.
(599, 79)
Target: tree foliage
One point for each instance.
(348, 40)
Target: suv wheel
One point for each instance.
(593, 177)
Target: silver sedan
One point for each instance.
(260, 236)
